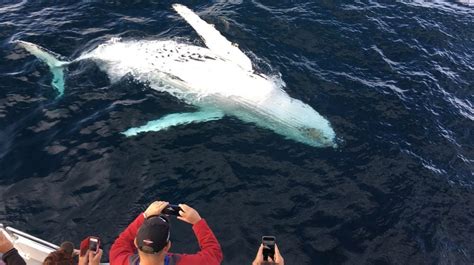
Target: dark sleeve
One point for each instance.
(13, 258)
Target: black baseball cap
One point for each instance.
(154, 234)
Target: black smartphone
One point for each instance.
(172, 209)
(94, 243)
(268, 247)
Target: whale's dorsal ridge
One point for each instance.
(214, 39)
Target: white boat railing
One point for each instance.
(33, 238)
(32, 249)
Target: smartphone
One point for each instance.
(268, 247)
(172, 209)
(94, 243)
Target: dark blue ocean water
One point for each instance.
(394, 78)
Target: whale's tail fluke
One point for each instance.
(50, 58)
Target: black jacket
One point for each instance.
(13, 258)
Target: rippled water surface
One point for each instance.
(394, 78)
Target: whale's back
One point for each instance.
(166, 65)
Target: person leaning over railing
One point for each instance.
(10, 254)
(149, 235)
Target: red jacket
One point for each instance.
(124, 252)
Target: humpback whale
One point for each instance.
(217, 79)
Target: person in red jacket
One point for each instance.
(146, 240)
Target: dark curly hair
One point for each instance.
(62, 256)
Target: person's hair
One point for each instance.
(68, 247)
(59, 257)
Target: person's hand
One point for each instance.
(259, 258)
(188, 214)
(155, 208)
(84, 260)
(278, 258)
(91, 258)
(94, 257)
(5, 244)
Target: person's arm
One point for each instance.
(10, 254)
(211, 252)
(12, 257)
(124, 245)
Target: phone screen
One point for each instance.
(172, 209)
(93, 244)
(268, 247)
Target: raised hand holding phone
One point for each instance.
(268, 243)
(172, 209)
(90, 252)
(94, 243)
(155, 208)
(188, 214)
(277, 260)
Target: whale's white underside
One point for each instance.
(218, 79)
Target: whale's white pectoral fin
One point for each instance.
(214, 39)
(174, 120)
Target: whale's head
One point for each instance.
(299, 121)
(289, 117)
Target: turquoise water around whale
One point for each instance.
(395, 79)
